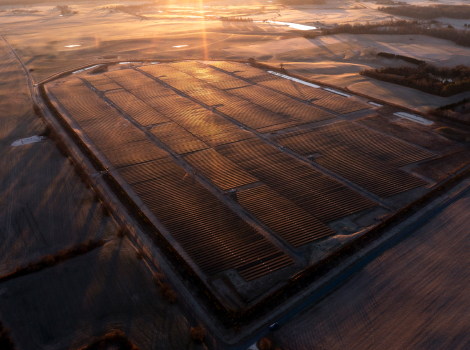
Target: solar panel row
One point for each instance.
(289, 221)
(317, 194)
(140, 111)
(322, 98)
(211, 234)
(220, 170)
(209, 128)
(120, 141)
(254, 106)
(102, 82)
(360, 155)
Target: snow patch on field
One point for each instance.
(28, 140)
(294, 79)
(85, 69)
(337, 92)
(293, 25)
(414, 118)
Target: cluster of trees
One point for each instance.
(458, 111)
(390, 2)
(441, 81)
(132, 9)
(236, 19)
(303, 2)
(403, 27)
(112, 340)
(401, 57)
(6, 342)
(51, 260)
(383, 27)
(16, 11)
(310, 35)
(430, 12)
(455, 105)
(66, 10)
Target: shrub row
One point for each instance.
(429, 12)
(6, 343)
(443, 81)
(198, 334)
(66, 10)
(51, 260)
(236, 19)
(165, 289)
(303, 2)
(112, 340)
(403, 27)
(451, 106)
(401, 57)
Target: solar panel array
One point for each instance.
(149, 102)
(210, 75)
(340, 104)
(139, 110)
(298, 90)
(281, 104)
(120, 141)
(361, 155)
(213, 236)
(102, 82)
(317, 194)
(179, 103)
(285, 218)
(319, 97)
(254, 106)
(177, 138)
(219, 169)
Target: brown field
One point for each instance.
(413, 296)
(105, 289)
(46, 208)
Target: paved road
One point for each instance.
(414, 296)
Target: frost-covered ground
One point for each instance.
(414, 296)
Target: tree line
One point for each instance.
(303, 2)
(66, 10)
(236, 19)
(401, 57)
(442, 81)
(430, 12)
(404, 27)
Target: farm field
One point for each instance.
(335, 59)
(45, 209)
(41, 196)
(401, 299)
(105, 289)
